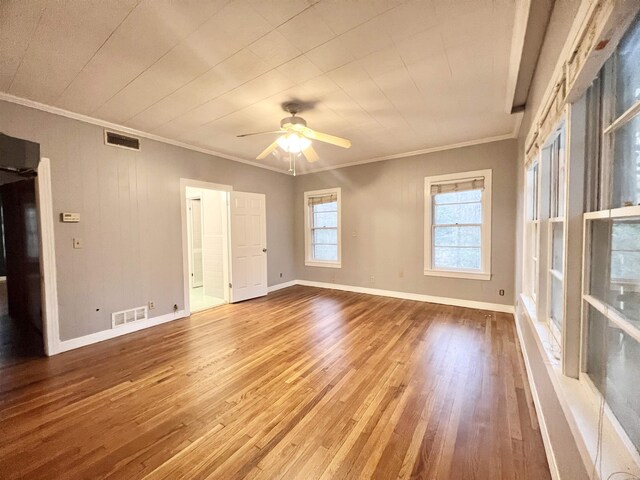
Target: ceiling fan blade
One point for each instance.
(311, 154)
(268, 150)
(259, 133)
(326, 138)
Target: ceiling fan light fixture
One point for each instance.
(293, 143)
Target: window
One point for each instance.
(322, 228)
(532, 228)
(554, 153)
(611, 291)
(458, 225)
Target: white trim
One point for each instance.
(458, 274)
(485, 246)
(130, 131)
(308, 261)
(49, 283)
(418, 297)
(318, 263)
(580, 406)
(184, 183)
(125, 329)
(518, 34)
(624, 118)
(544, 431)
(441, 148)
(280, 286)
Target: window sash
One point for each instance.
(330, 215)
(472, 219)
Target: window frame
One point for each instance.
(309, 261)
(531, 236)
(557, 143)
(484, 273)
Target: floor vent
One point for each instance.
(119, 140)
(128, 316)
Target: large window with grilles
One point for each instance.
(458, 225)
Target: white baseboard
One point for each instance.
(418, 297)
(66, 345)
(74, 343)
(280, 286)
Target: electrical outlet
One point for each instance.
(77, 243)
(280, 274)
(152, 304)
(372, 279)
(401, 274)
(501, 292)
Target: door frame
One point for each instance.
(184, 183)
(190, 236)
(48, 272)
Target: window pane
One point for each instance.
(626, 164)
(462, 213)
(628, 69)
(325, 219)
(326, 207)
(325, 252)
(325, 236)
(457, 236)
(600, 231)
(458, 197)
(556, 302)
(615, 265)
(558, 246)
(612, 364)
(456, 258)
(625, 268)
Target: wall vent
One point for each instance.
(127, 316)
(119, 140)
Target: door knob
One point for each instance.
(264, 250)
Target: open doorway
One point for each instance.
(21, 324)
(208, 247)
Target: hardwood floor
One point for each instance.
(305, 383)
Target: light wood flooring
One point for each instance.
(305, 383)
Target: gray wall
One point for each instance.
(383, 222)
(130, 208)
(564, 11)
(570, 463)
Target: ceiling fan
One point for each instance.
(296, 137)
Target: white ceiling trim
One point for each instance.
(441, 148)
(121, 128)
(96, 121)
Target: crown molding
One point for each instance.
(441, 148)
(25, 102)
(121, 128)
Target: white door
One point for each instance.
(195, 218)
(247, 215)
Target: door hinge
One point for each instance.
(230, 286)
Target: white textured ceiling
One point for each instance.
(393, 76)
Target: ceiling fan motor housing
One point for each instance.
(290, 121)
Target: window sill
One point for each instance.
(310, 263)
(580, 402)
(458, 274)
